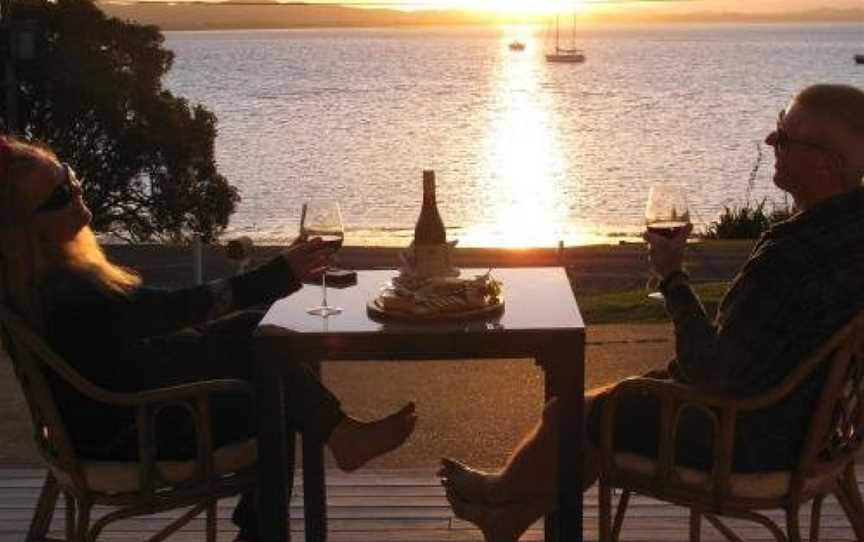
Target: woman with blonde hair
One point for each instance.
(124, 336)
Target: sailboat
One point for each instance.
(565, 54)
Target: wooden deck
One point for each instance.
(391, 506)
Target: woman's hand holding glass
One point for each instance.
(308, 258)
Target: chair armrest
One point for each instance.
(37, 358)
(179, 392)
(673, 397)
(195, 399)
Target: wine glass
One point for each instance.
(666, 213)
(323, 219)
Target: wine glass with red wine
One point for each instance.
(666, 213)
(323, 219)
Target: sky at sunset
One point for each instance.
(535, 6)
(665, 6)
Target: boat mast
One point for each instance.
(556, 33)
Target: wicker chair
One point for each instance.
(825, 466)
(129, 488)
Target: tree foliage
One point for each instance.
(94, 94)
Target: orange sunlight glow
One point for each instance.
(523, 7)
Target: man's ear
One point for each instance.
(832, 165)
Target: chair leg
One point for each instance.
(793, 527)
(44, 513)
(849, 497)
(82, 531)
(695, 525)
(71, 516)
(619, 514)
(605, 519)
(211, 521)
(724, 529)
(816, 518)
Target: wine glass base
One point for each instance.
(324, 311)
(656, 296)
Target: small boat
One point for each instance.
(565, 54)
(516, 45)
(859, 59)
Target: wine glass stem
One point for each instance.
(324, 288)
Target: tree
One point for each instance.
(94, 95)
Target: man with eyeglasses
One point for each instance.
(802, 282)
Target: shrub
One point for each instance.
(745, 222)
(749, 220)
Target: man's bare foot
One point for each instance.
(470, 484)
(498, 523)
(354, 442)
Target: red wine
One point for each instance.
(329, 239)
(430, 228)
(667, 229)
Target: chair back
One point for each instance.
(30, 358)
(835, 434)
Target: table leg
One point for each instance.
(273, 469)
(565, 378)
(314, 485)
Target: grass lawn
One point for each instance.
(633, 306)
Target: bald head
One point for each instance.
(839, 110)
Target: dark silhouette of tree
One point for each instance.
(94, 94)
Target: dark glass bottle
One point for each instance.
(430, 228)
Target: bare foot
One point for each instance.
(470, 484)
(354, 443)
(498, 523)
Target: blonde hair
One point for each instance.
(25, 260)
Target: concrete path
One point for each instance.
(476, 411)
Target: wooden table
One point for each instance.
(541, 321)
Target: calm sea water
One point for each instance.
(527, 153)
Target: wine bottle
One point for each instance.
(429, 229)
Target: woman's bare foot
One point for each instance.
(470, 484)
(504, 523)
(354, 443)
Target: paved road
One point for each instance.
(476, 411)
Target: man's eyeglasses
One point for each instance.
(781, 139)
(62, 194)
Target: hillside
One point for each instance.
(197, 16)
(253, 14)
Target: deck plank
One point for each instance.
(393, 506)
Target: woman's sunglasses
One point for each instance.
(62, 194)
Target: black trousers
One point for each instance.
(765, 440)
(222, 349)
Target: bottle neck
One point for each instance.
(428, 192)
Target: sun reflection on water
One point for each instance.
(524, 161)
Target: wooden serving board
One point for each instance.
(375, 310)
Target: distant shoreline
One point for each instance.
(595, 25)
(236, 16)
